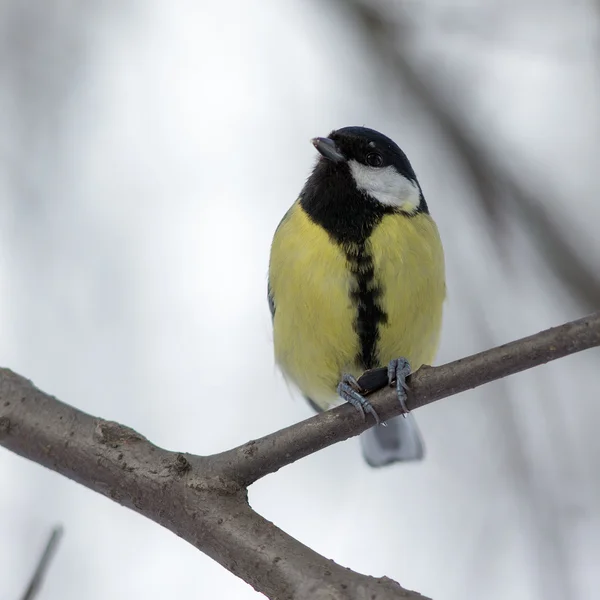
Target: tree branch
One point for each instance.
(203, 499)
(42, 566)
(255, 459)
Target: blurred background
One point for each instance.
(149, 150)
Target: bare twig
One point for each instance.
(203, 499)
(256, 459)
(42, 566)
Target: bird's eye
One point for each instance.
(374, 159)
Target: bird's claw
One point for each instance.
(398, 371)
(348, 391)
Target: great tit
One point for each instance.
(356, 281)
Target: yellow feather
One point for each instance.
(313, 327)
(409, 266)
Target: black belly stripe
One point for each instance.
(330, 199)
(365, 295)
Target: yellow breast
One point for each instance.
(409, 266)
(314, 325)
(313, 329)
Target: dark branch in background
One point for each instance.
(507, 201)
(390, 38)
(203, 499)
(42, 566)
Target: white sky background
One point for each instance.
(149, 150)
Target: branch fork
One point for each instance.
(203, 499)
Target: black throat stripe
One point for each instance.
(330, 199)
(365, 295)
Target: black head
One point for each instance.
(361, 176)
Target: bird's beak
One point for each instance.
(327, 148)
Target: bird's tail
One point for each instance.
(399, 441)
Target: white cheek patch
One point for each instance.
(386, 185)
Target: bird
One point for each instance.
(357, 282)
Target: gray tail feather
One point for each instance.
(399, 441)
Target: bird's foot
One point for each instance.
(398, 371)
(348, 391)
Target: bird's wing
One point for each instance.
(271, 300)
(270, 297)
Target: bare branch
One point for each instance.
(44, 562)
(254, 460)
(203, 499)
(186, 494)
